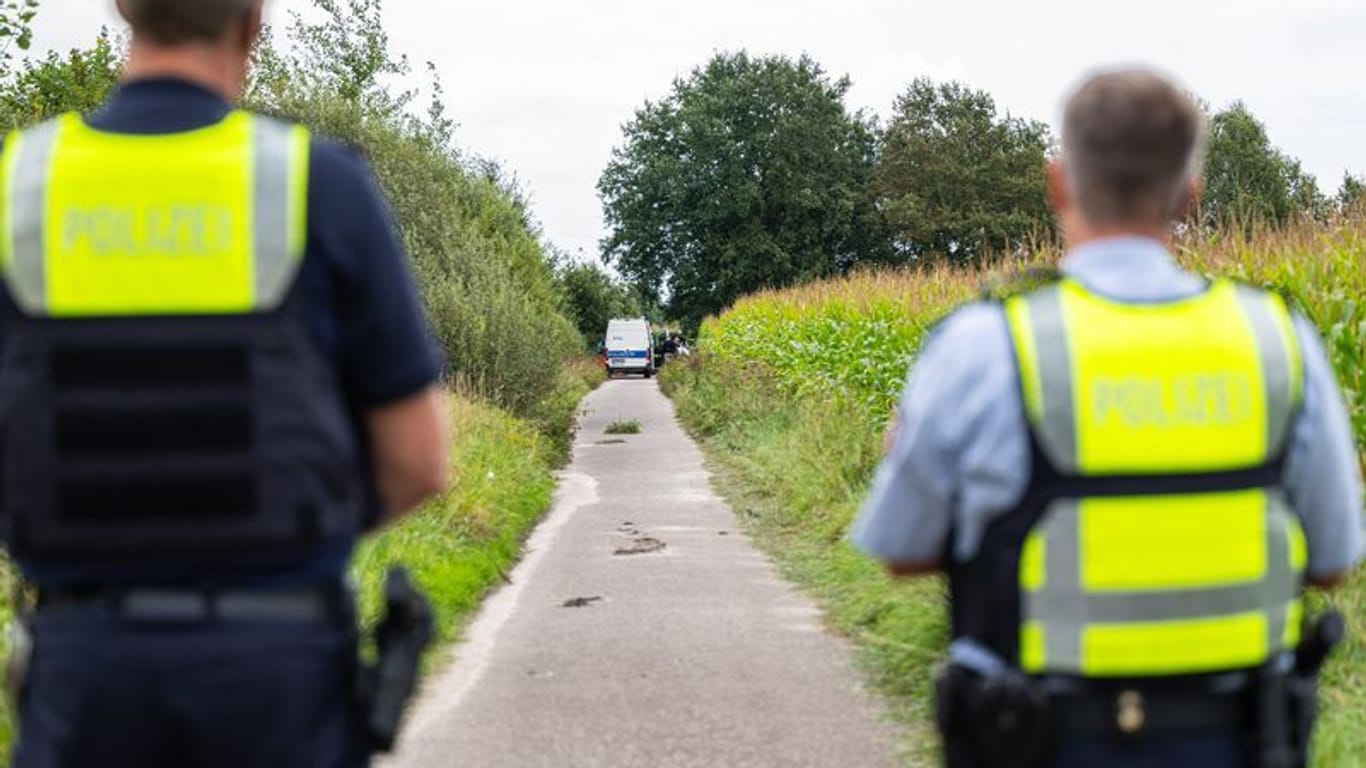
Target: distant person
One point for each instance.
(1128, 476)
(213, 382)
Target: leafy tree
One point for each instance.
(485, 277)
(751, 173)
(594, 298)
(1351, 196)
(1248, 180)
(16, 27)
(79, 81)
(958, 180)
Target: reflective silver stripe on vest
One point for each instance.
(275, 265)
(27, 274)
(1062, 587)
(1276, 367)
(1057, 428)
(1065, 609)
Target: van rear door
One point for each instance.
(628, 346)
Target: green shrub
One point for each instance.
(485, 277)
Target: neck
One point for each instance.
(1085, 234)
(206, 66)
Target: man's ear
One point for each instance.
(253, 25)
(1190, 200)
(1059, 196)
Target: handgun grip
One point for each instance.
(1324, 634)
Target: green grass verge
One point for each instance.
(794, 471)
(8, 584)
(623, 428)
(461, 545)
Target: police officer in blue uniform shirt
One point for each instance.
(979, 455)
(216, 376)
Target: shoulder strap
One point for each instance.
(282, 167)
(1282, 361)
(1000, 287)
(27, 158)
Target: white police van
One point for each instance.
(629, 347)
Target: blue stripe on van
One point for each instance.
(632, 354)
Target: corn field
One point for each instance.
(853, 338)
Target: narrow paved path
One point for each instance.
(606, 650)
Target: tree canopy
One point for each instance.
(1352, 194)
(16, 27)
(1248, 180)
(43, 89)
(484, 274)
(594, 297)
(751, 173)
(957, 179)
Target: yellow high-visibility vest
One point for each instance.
(1166, 551)
(162, 391)
(205, 222)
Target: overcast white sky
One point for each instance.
(544, 85)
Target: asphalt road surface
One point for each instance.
(644, 629)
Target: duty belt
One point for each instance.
(301, 606)
(1135, 712)
(1215, 702)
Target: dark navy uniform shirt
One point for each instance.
(365, 315)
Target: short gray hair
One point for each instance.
(1132, 142)
(174, 22)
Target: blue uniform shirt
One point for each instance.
(961, 458)
(364, 314)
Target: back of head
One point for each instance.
(184, 22)
(1132, 145)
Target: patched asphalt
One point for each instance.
(643, 628)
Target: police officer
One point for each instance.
(1128, 475)
(215, 376)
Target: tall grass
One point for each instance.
(464, 542)
(791, 390)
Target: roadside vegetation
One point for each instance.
(462, 544)
(791, 390)
(623, 428)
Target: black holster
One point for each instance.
(400, 639)
(1287, 704)
(992, 721)
(1007, 719)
